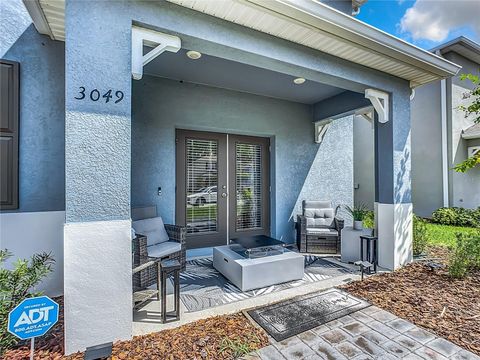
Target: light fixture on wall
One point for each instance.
(299, 80)
(194, 55)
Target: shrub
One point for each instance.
(357, 212)
(420, 238)
(457, 216)
(369, 219)
(16, 285)
(466, 255)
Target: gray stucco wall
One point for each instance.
(427, 178)
(464, 188)
(364, 164)
(161, 105)
(42, 109)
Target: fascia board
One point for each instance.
(338, 24)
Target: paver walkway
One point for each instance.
(371, 333)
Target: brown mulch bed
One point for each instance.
(433, 300)
(204, 339)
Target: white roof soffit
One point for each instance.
(48, 17)
(316, 25)
(306, 22)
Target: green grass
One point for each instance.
(203, 212)
(444, 235)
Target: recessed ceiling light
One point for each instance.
(299, 81)
(194, 55)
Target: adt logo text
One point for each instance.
(33, 317)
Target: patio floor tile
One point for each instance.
(383, 316)
(280, 345)
(335, 336)
(327, 351)
(383, 329)
(360, 316)
(375, 337)
(297, 351)
(356, 328)
(407, 342)
(346, 319)
(334, 324)
(465, 355)
(310, 338)
(444, 347)
(320, 329)
(413, 356)
(420, 335)
(400, 325)
(429, 354)
(395, 348)
(349, 350)
(270, 353)
(370, 310)
(368, 347)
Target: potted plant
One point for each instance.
(358, 213)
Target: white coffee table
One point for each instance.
(255, 273)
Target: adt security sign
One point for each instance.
(33, 317)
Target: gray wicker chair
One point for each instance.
(318, 228)
(148, 276)
(140, 248)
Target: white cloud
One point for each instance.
(435, 19)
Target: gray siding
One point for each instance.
(161, 105)
(42, 109)
(464, 188)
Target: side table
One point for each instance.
(371, 256)
(167, 268)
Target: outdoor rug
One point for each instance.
(291, 317)
(203, 287)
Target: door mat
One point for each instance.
(291, 317)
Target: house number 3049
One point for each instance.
(95, 95)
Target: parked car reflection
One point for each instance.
(205, 195)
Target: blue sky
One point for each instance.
(425, 23)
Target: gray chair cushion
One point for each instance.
(163, 249)
(321, 222)
(316, 204)
(321, 231)
(319, 213)
(153, 229)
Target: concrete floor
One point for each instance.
(147, 319)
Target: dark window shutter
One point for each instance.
(9, 127)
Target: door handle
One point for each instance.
(224, 195)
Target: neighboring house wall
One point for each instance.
(342, 5)
(363, 162)
(39, 219)
(161, 105)
(427, 178)
(464, 187)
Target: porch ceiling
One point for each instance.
(222, 73)
(306, 22)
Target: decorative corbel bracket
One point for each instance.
(366, 113)
(159, 41)
(379, 101)
(321, 128)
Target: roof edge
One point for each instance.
(38, 17)
(326, 18)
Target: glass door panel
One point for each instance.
(202, 184)
(201, 170)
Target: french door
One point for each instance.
(223, 188)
